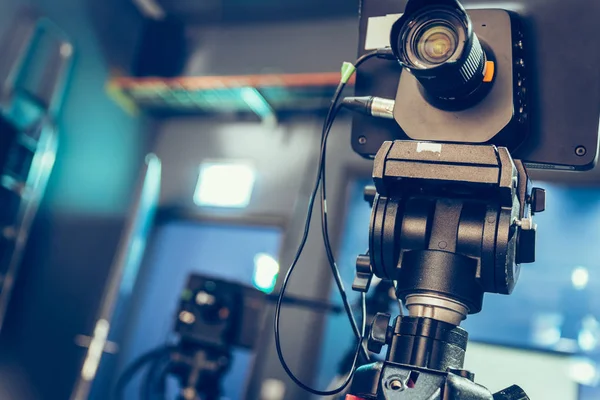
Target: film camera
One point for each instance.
(473, 98)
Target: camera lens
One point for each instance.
(436, 43)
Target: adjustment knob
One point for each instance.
(526, 246)
(370, 193)
(538, 200)
(512, 393)
(363, 277)
(378, 336)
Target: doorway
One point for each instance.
(177, 250)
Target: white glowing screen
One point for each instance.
(225, 184)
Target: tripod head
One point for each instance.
(449, 223)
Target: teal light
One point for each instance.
(266, 270)
(258, 104)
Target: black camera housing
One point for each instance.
(229, 314)
(500, 116)
(551, 121)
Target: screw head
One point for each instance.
(396, 385)
(362, 140)
(580, 151)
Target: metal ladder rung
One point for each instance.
(14, 185)
(28, 142)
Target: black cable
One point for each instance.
(333, 109)
(325, 232)
(135, 366)
(153, 384)
(400, 303)
(290, 271)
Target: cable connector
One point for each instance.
(348, 70)
(370, 105)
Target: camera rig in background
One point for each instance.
(214, 318)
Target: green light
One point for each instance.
(187, 295)
(266, 270)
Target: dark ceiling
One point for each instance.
(198, 11)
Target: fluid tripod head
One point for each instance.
(449, 223)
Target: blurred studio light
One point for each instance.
(266, 270)
(580, 278)
(225, 184)
(587, 340)
(589, 334)
(546, 329)
(583, 371)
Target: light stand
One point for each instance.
(200, 371)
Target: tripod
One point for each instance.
(200, 372)
(449, 223)
(198, 368)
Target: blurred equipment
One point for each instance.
(214, 317)
(35, 64)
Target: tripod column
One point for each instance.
(420, 342)
(427, 343)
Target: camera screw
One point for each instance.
(580, 151)
(396, 385)
(362, 140)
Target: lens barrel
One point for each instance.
(435, 41)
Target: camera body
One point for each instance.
(219, 314)
(500, 115)
(543, 104)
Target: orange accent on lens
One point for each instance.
(490, 69)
